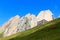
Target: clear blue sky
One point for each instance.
(9, 8)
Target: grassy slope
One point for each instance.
(48, 31)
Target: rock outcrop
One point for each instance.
(17, 24)
(10, 27)
(46, 14)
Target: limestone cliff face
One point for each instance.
(32, 19)
(17, 24)
(46, 14)
(10, 27)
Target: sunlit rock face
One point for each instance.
(10, 27)
(32, 19)
(46, 14)
(17, 24)
(24, 24)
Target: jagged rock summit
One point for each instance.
(19, 24)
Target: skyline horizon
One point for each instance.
(10, 8)
(27, 14)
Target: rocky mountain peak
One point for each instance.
(28, 15)
(17, 24)
(45, 14)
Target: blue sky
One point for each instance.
(10, 8)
